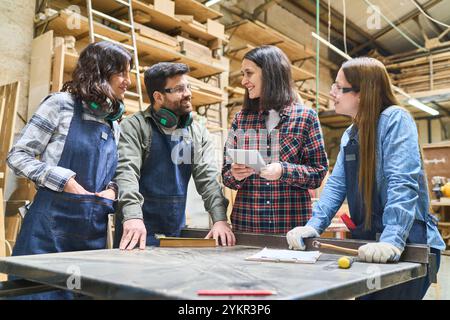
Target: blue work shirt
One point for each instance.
(401, 182)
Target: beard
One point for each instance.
(180, 108)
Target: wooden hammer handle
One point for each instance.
(352, 252)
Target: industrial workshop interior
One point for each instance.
(225, 150)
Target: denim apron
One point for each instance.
(61, 221)
(163, 184)
(414, 289)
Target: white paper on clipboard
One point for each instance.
(276, 255)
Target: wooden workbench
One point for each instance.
(177, 273)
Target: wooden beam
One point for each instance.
(359, 30)
(310, 13)
(436, 26)
(264, 7)
(398, 22)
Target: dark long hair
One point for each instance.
(370, 77)
(90, 79)
(277, 87)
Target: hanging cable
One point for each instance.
(429, 17)
(395, 27)
(345, 25)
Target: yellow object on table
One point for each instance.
(345, 262)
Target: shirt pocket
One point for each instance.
(291, 149)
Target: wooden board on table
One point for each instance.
(9, 99)
(186, 242)
(40, 70)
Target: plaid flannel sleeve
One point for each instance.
(310, 173)
(32, 142)
(228, 179)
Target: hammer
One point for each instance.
(343, 262)
(318, 245)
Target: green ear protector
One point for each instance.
(111, 117)
(168, 119)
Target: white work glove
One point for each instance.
(295, 237)
(379, 252)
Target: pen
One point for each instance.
(235, 292)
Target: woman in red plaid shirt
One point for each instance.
(288, 136)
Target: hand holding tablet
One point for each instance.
(249, 158)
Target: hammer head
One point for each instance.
(316, 244)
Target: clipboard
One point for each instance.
(291, 256)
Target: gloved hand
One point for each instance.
(379, 252)
(295, 237)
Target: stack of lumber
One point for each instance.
(309, 98)
(422, 74)
(9, 97)
(2, 233)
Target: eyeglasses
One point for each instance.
(338, 89)
(178, 89)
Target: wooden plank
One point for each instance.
(200, 12)
(185, 18)
(215, 28)
(173, 242)
(148, 14)
(156, 35)
(40, 70)
(298, 74)
(9, 99)
(3, 277)
(194, 49)
(149, 50)
(258, 34)
(165, 6)
(58, 68)
(141, 17)
(202, 93)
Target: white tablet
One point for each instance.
(251, 158)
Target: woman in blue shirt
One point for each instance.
(379, 169)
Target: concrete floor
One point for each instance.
(441, 290)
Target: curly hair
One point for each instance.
(90, 79)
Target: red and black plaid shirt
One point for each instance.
(264, 206)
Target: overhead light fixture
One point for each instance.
(419, 105)
(412, 101)
(211, 2)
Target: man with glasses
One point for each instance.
(159, 150)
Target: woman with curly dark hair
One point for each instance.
(69, 150)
